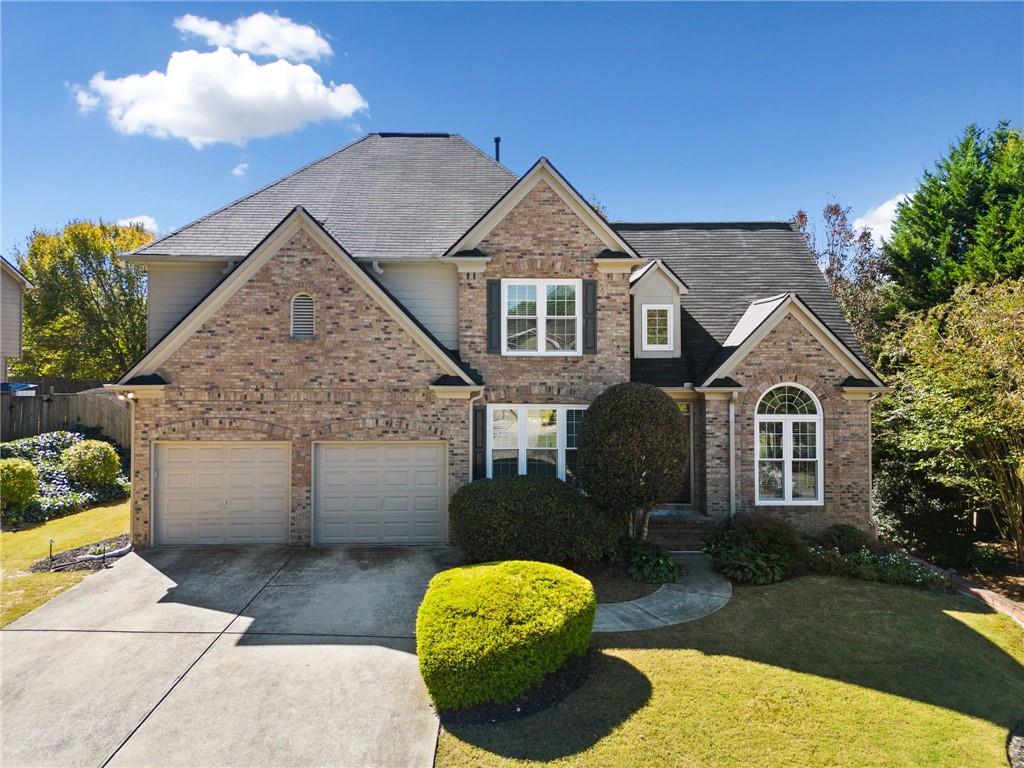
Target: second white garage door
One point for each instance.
(210, 493)
(380, 493)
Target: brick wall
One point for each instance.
(791, 354)
(543, 238)
(241, 377)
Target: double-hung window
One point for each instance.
(788, 440)
(541, 317)
(536, 440)
(657, 330)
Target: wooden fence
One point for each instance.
(30, 416)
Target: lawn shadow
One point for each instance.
(897, 640)
(613, 691)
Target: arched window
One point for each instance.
(303, 322)
(788, 461)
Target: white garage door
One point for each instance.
(380, 492)
(221, 493)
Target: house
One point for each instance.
(333, 355)
(13, 286)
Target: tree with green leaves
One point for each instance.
(959, 400)
(963, 224)
(86, 316)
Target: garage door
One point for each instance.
(380, 492)
(221, 493)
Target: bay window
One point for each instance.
(534, 440)
(788, 442)
(541, 317)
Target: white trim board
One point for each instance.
(785, 305)
(542, 171)
(298, 220)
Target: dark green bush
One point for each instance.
(19, 484)
(887, 568)
(848, 538)
(488, 633)
(91, 463)
(529, 518)
(647, 562)
(631, 453)
(757, 548)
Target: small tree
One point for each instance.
(960, 398)
(631, 452)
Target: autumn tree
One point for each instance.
(86, 317)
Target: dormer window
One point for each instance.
(657, 327)
(541, 317)
(303, 317)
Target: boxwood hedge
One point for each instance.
(488, 633)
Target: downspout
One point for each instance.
(732, 455)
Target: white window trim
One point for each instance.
(787, 421)
(644, 345)
(291, 315)
(523, 432)
(541, 287)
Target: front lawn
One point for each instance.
(817, 671)
(21, 591)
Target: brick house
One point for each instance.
(333, 355)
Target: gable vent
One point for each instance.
(302, 317)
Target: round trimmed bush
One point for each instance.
(91, 463)
(19, 484)
(488, 633)
(529, 518)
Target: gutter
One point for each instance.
(732, 455)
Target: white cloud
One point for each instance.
(260, 34)
(147, 222)
(879, 219)
(85, 100)
(240, 169)
(222, 96)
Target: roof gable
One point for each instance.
(298, 220)
(541, 172)
(763, 316)
(13, 272)
(656, 267)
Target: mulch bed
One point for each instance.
(1015, 746)
(612, 584)
(552, 690)
(68, 556)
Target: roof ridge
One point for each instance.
(470, 144)
(243, 198)
(703, 224)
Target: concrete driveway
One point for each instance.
(225, 657)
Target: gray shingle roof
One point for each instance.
(727, 266)
(385, 196)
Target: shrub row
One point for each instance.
(489, 633)
(66, 473)
(757, 548)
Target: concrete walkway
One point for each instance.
(700, 592)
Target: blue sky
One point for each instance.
(687, 112)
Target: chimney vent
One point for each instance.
(497, 149)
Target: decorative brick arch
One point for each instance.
(543, 393)
(380, 428)
(216, 428)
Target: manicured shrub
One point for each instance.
(529, 518)
(91, 463)
(19, 484)
(631, 453)
(848, 538)
(884, 567)
(647, 562)
(488, 633)
(757, 548)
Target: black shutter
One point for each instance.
(479, 442)
(590, 317)
(494, 316)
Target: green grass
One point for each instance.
(812, 672)
(21, 591)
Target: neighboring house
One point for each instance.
(13, 286)
(333, 355)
